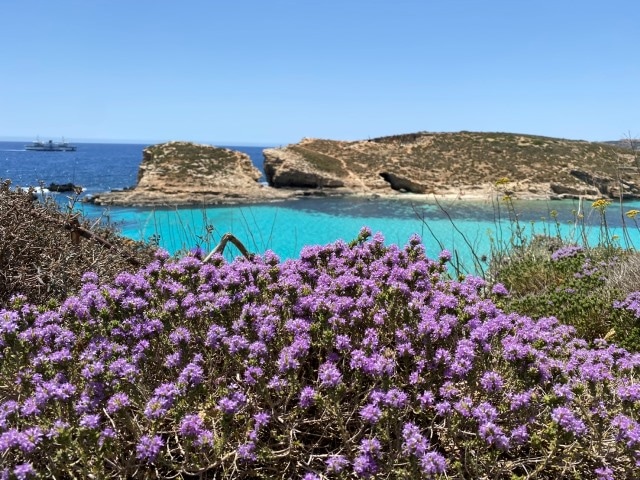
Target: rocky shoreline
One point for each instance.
(459, 166)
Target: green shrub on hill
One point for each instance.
(568, 282)
(580, 285)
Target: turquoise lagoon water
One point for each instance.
(466, 228)
(286, 227)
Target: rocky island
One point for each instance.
(458, 165)
(463, 165)
(185, 173)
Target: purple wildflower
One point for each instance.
(604, 473)
(29, 407)
(396, 398)
(261, 419)
(426, 399)
(343, 342)
(215, 335)
(485, 412)
(464, 406)
(246, 452)
(336, 463)
(90, 421)
(445, 256)
(149, 447)
(371, 446)
(89, 277)
(567, 251)
(432, 463)
(630, 392)
(443, 408)
(123, 369)
(252, 374)
(232, 402)
(568, 421)
(493, 435)
(519, 435)
(191, 375)
(329, 375)
(58, 427)
(23, 471)
(173, 360)
(236, 343)
(629, 430)
(371, 413)
(191, 426)
(364, 466)
(310, 476)
(500, 290)
(520, 400)
(170, 305)
(413, 442)
(307, 397)
(180, 335)
(492, 382)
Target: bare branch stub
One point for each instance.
(226, 238)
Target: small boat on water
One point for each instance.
(50, 146)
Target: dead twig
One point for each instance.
(226, 238)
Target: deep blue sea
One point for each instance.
(285, 227)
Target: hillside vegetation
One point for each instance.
(44, 251)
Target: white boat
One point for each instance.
(50, 146)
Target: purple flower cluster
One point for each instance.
(148, 448)
(631, 303)
(566, 251)
(354, 360)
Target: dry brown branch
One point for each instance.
(226, 238)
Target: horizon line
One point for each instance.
(20, 138)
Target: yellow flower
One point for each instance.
(601, 204)
(632, 213)
(502, 181)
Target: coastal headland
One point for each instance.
(461, 165)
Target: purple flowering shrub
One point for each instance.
(353, 361)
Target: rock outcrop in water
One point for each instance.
(463, 165)
(185, 173)
(459, 165)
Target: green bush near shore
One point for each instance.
(581, 285)
(571, 284)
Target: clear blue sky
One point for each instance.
(274, 71)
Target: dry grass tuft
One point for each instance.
(45, 252)
(624, 275)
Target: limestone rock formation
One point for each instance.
(185, 173)
(463, 164)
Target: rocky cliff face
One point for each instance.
(181, 173)
(460, 164)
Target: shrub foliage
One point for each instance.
(353, 361)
